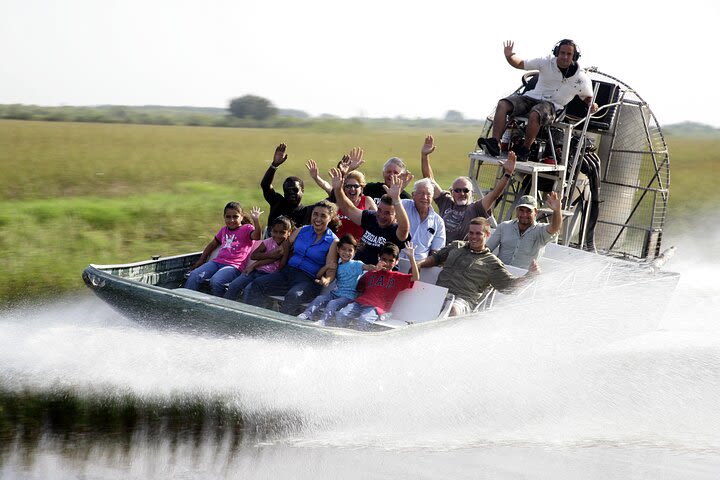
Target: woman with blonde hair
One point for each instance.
(353, 188)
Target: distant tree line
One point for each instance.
(144, 115)
(249, 111)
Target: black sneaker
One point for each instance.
(490, 146)
(522, 153)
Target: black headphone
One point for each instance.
(566, 41)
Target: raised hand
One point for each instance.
(509, 165)
(553, 201)
(344, 165)
(429, 146)
(406, 178)
(409, 249)
(312, 168)
(255, 213)
(336, 178)
(356, 158)
(280, 155)
(396, 186)
(508, 47)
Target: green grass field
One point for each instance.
(76, 193)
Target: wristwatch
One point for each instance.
(507, 175)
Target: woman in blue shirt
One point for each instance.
(311, 266)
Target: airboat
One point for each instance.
(611, 169)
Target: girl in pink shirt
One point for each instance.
(270, 255)
(235, 242)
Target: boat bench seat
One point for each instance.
(421, 303)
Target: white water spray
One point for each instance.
(553, 376)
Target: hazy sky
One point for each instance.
(371, 58)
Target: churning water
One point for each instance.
(563, 391)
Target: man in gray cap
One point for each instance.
(522, 240)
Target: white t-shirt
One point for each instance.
(555, 88)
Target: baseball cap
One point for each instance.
(527, 201)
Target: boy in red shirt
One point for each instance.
(377, 290)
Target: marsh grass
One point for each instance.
(73, 194)
(50, 160)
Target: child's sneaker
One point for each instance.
(303, 316)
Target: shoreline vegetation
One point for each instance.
(284, 118)
(78, 193)
(212, 117)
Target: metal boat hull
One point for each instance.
(149, 293)
(190, 311)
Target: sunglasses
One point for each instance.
(461, 190)
(352, 185)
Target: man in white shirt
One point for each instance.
(427, 228)
(559, 80)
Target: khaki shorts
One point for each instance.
(522, 105)
(461, 306)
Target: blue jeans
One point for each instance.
(332, 303)
(239, 284)
(297, 286)
(220, 275)
(363, 315)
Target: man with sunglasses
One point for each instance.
(456, 207)
(287, 203)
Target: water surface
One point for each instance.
(608, 388)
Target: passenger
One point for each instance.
(270, 256)
(456, 207)
(235, 242)
(393, 168)
(469, 268)
(378, 289)
(521, 241)
(388, 224)
(353, 187)
(426, 227)
(559, 80)
(314, 257)
(346, 279)
(287, 203)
